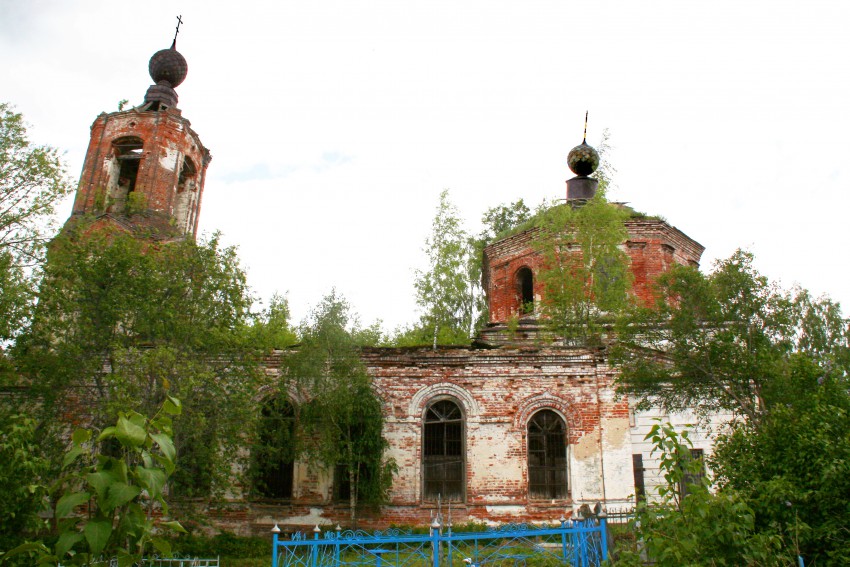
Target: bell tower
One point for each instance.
(145, 167)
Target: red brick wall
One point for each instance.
(168, 138)
(653, 247)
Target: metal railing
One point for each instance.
(579, 543)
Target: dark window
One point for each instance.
(444, 469)
(342, 482)
(273, 455)
(640, 486)
(694, 466)
(525, 290)
(547, 455)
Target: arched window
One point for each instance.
(525, 290)
(273, 455)
(443, 463)
(547, 455)
(127, 156)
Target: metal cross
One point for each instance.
(177, 29)
(584, 140)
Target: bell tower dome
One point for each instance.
(145, 167)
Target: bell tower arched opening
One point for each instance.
(525, 290)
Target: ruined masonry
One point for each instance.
(509, 429)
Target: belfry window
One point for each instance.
(547, 455)
(443, 463)
(273, 454)
(127, 157)
(525, 290)
(128, 151)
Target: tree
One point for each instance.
(793, 466)
(697, 527)
(341, 412)
(122, 323)
(723, 342)
(584, 274)
(21, 472)
(32, 181)
(448, 292)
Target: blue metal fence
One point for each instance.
(580, 543)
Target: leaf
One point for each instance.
(172, 406)
(107, 433)
(68, 502)
(100, 481)
(66, 541)
(119, 494)
(166, 445)
(151, 480)
(72, 455)
(130, 434)
(162, 546)
(80, 436)
(174, 525)
(97, 534)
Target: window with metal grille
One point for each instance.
(443, 464)
(694, 471)
(547, 456)
(273, 454)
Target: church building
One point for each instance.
(511, 428)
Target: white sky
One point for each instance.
(335, 125)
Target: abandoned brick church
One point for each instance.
(510, 429)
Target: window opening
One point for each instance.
(128, 153)
(525, 290)
(273, 456)
(547, 456)
(640, 485)
(444, 469)
(186, 200)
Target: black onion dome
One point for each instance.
(583, 159)
(169, 66)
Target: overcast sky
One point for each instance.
(335, 125)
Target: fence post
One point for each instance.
(338, 531)
(275, 532)
(314, 556)
(563, 521)
(435, 543)
(603, 526)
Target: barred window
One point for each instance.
(443, 464)
(547, 455)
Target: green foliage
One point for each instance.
(136, 203)
(793, 468)
(700, 528)
(122, 489)
(725, 340)
(343, 420)
(32, 181)
(585, 275)
(21, 470)
(17, 293)
(448, 292)
(127, 322)
(224, 544)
